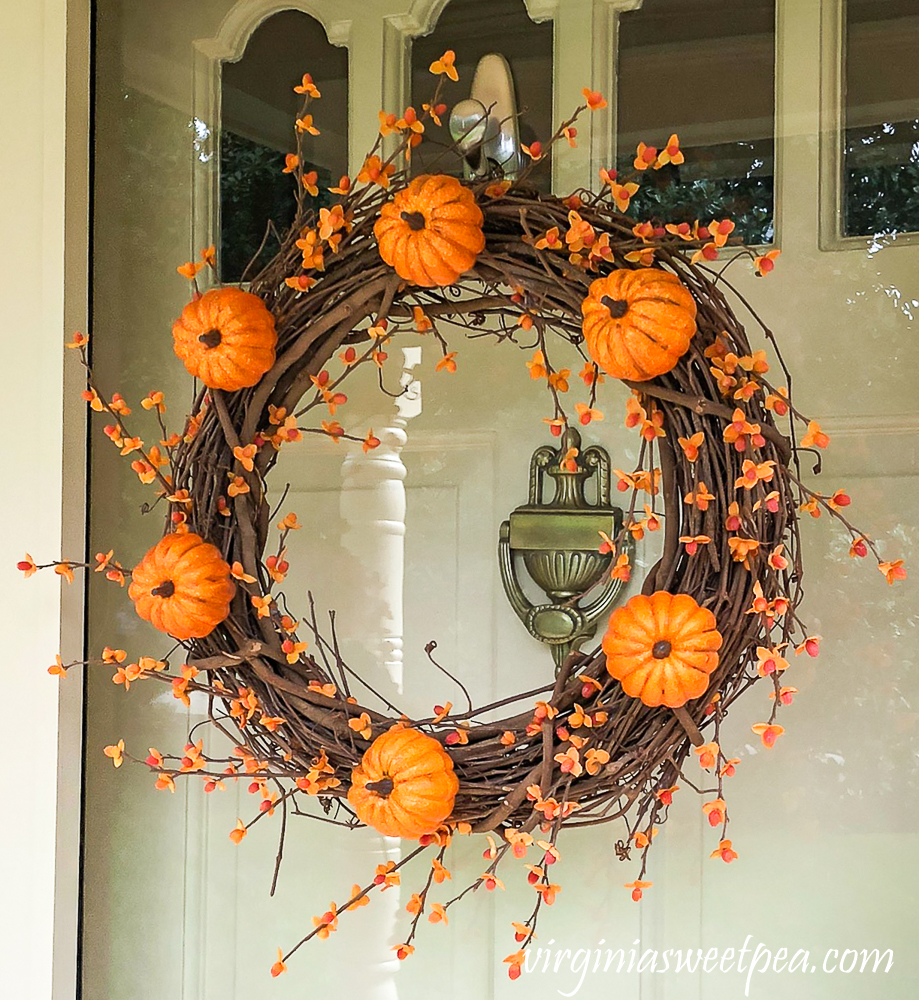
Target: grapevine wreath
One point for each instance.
(719, 471)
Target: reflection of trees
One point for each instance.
(882, 179)
(254, 191)
(672, 195)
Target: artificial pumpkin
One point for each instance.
(638, 323)
(662, 648)
(226, 338)
(404, 785)
(182, 586)
(431, 231)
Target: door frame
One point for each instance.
(45, 52)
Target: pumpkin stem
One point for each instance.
(617, 307)
(661, 650)
(415, 220)
(383, 787)
(166, 589)
(210, 339)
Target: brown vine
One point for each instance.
(645, 745)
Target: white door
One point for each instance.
(401, 543)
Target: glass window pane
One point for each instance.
(881, 175)
(258, 108)
(475, 28)
(401, 575)
(704, 69)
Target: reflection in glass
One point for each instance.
(258, 108)
(881, 172)
(705, 70)
(475, 28)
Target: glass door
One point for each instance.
(190, 142)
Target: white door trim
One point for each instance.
(44, 202)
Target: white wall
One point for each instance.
(39, 827)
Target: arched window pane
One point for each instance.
(258, 109)
(475, 28)
(881, 173)
(704, 69)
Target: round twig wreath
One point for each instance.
(719, 567)
(608, 738)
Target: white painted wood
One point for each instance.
(604, 125)
(227, 44)
(43, 198)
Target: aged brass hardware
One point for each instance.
(558, 541)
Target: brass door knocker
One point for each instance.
(559, 541)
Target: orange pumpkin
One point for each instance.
(226, 338)
(638, 324)
(662, 648)
(404, 785)
(431, 231)
(182, 586)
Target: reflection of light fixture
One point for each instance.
(484, 126)
(558, 541)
